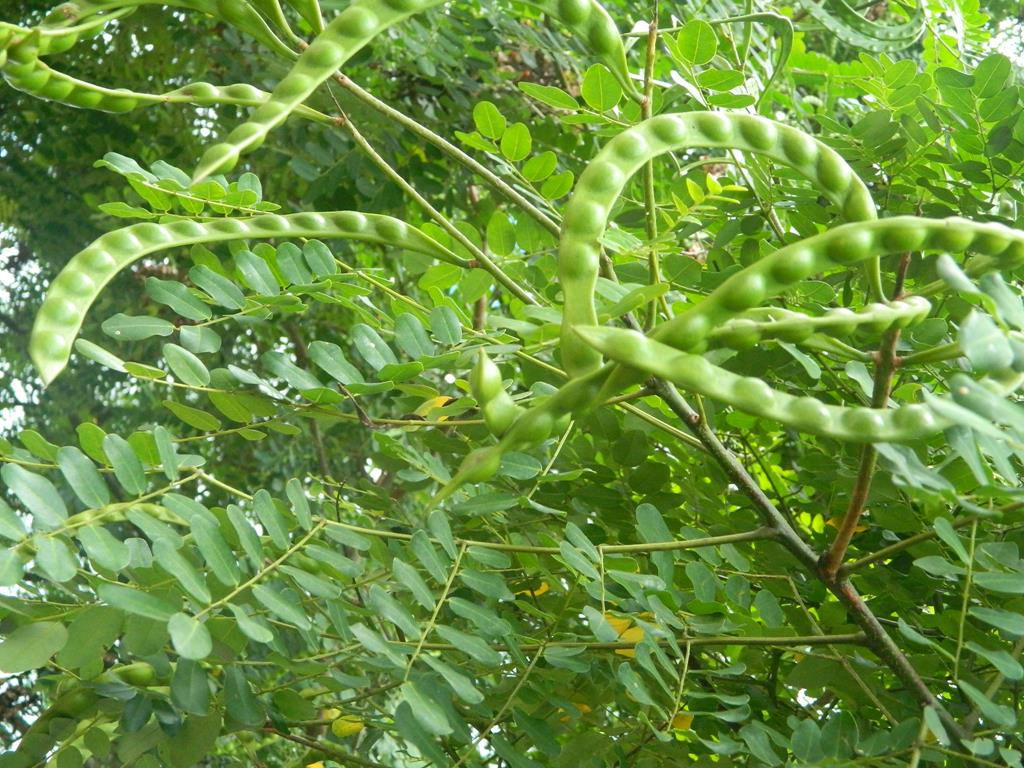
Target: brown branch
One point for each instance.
(876, 636)
(336, 753)
(771, 515)
(886, 363)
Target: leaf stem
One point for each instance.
(456, 154)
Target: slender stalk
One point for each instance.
(482, 258)
(968, 579)
(885, 371)
(336, 753)
(437, 609)
(993, 687)
(650, 204)
(853, 638)
(661, 546)
(263, 571)
(886, 552)
(456, 154)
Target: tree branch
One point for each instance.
(876, 636)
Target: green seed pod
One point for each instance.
(139, 674)
(485, 379)
(846, 23)
(500, 414)
(238, 13)
(496, 405)
(352, 29)
(843, 246)
(601, 184)
(764, 323)
(76, 287)
(481, 465)
(754, 396)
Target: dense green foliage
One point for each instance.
(361, 457)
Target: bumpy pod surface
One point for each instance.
(496, 405)
(25, 72)
(76, 287)
(344, 36)
(238, 13)
(57, 40)
(752, 395)
(846, 23)
(841, 246)
(601, 184)
(592, 24)
(764, 323)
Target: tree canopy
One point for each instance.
(398, 383)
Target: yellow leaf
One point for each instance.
(835, 522)
(317, 764)
(682, 721)
(537, 591)
(583, 708)
(619, 625)
(432, 404)
(347, 725)
(631, 635)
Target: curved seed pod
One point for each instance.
(998, 247)
(840, 246)
(846, 23)
(601, 184)
(310, 11)
(238, 13)
(58, 40)
(271, 9)
(496, 405)
(344, 36)
(598, 31)
(752, 395)
(79, 283)
(25, 72)
(782, 27)
(763, 323)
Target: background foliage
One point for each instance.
(220, 552)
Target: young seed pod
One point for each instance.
(238, 13)
(352, 29)
(754, 396)
(496, 405)
(596, 29)
(602, 183)
(76, 287)
(846, 23)
(764, 323)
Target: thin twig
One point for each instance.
(885, 370)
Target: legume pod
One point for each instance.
(341, 39)
(76, 287)
(601, 184)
